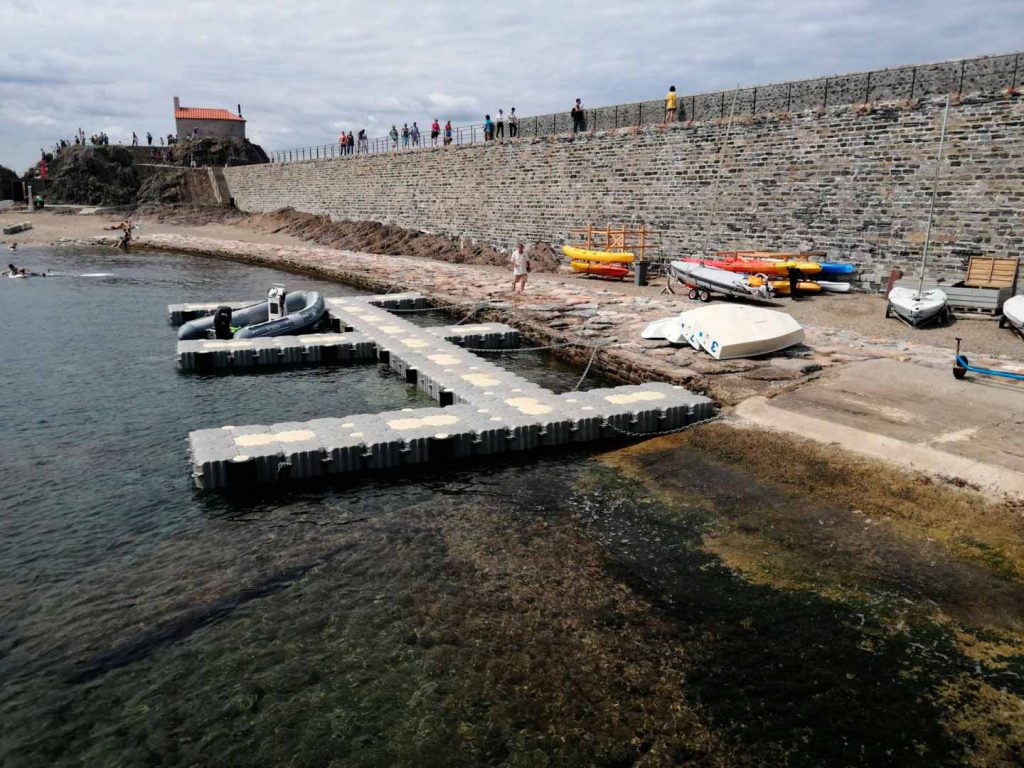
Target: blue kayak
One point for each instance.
(835, 268)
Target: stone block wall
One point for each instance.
(854, 181)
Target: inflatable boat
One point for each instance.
(282, 314)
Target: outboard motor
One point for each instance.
(222, 323)
(276, 301)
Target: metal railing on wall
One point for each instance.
(919, 81)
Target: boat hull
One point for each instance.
(613, 271)
(304, 308)
(718, 280)
(1013, 312)
(729, 331)
(917, 309)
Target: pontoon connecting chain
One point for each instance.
(439, 308)
(677, 430)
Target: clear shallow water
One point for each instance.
(545, 611)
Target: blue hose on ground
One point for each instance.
(961, 362)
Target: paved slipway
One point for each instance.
(603, 321)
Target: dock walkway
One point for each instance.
(488, 410)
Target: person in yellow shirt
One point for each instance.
(670, 105)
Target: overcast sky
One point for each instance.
(304, 71)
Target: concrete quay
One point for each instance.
(844, 334)
(489, 411)
(568, 310)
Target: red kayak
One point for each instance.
(599, 269)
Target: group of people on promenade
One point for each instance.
(493, 128)
(350, 143)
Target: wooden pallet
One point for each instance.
(961, 309)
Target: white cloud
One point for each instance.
(302, 70)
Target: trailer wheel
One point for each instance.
(692, 294)
(705, 296)
(958, 370)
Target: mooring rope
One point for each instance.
(683, 428)
(586, 370)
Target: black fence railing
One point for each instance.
(918, 81)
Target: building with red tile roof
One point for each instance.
(205, 122)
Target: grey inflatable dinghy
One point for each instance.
(282, 314)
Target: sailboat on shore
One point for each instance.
(920, 307)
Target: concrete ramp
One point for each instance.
(915, 417)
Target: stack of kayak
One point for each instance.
(600, 263)
(777, 264)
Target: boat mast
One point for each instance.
(718, 172)
(931, 205)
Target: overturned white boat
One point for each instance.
(727, 331)
(917, 308)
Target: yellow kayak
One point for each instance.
(582, 254)
(782, 286)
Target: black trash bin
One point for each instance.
(640, 272)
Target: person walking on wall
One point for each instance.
(488, 128)
(415, 134)
(149, 138)
(447, 132)
(135, 139)
(343, 142)
(520, 268)
(579, 122)
(499, 126)
(671, 106)
(405, 136)
(393, 134)
(364, 143)
(351, 143)
(513, 124)
(435, 131)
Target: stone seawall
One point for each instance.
(853, 181)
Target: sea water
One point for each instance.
(530, 611)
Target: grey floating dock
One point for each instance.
(342, 346)
(489, 410)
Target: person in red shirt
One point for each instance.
(435, 131)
